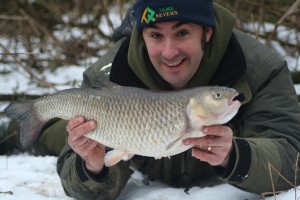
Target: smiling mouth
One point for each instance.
(174, 64)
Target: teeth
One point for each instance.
(173, 64)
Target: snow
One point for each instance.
(28, 177)
(286, 34)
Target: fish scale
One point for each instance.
(131, 120)
(136, 128)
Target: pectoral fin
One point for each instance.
(184, 135)
(113, 157)
(179, 139)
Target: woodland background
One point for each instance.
(38, 35)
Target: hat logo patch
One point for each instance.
(150, 15)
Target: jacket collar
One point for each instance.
(232, 71)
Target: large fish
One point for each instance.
(131, 120)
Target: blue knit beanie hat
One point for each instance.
(148, 12)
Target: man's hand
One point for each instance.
(213, 148)
(89, 150)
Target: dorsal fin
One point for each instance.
(100, 84)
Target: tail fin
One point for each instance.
(30, 124)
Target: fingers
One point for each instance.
(75, 122)
(217, 130)
(215, 136)
(216, 156)
(81, 146)
(77, 127)
(213, 148)
(89, 150)
(86, 149)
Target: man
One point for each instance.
(177, 45)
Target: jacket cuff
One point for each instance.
(225, 172)
(84, 174)
(239, 162)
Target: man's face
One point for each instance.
(175, 50)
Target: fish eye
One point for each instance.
(218, 95)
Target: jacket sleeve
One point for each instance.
(79, 184)
(268, 137)
(100, 70)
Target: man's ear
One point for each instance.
(209, 32)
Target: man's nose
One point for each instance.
(170, 49)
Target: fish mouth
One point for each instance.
(235, 100)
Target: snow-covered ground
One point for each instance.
(33, 177)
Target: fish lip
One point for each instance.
(232, 99)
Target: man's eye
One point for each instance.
(156, 35)
(182, 33)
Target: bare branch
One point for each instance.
(15, 18)
(291, 10)
(42, 82)
(17, 53)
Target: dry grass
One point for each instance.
(293, 185)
